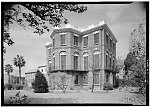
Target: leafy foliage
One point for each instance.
(37, 17)
(40, 84)
(18, 86)
(19, 62)
(9, 69)
(8, 86)
(61, 79)
(17, 99)
(108, 86)
(135, 61)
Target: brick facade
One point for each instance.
(100, 48)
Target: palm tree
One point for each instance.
(9, 69)
(19, 62)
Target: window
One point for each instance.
(49, 51)
(76, 79)
(96, 78)
(107, 39)
(114, 63)
(62, 38)
(75, 40)
(75, 62)
(42, 70)
(110, 61)
(96, 60)
(96, 38)
(53, 42)
(85, 79)
(106, 61)
(107, 77)
(110, 44)
(114, 47)
(54, 62)
(63, 62)
(85, 62)
(85, 41)
(49, 65)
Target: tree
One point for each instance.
(36, 15)
(19, 62)
(8, 69)
(61, 80)
(135, 61)
(40, 84)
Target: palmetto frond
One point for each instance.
(19, 61)
(8, 68)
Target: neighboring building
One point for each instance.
(13, 79)
(79, 52)
(30, 77)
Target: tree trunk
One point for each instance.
(93, 82)
(8, 77)
(19, 75)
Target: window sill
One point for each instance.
(76, 46)
(85, 46)
(63, 45)
(96, 43)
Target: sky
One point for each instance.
(122, 19)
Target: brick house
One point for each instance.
(80, 52)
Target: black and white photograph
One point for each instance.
(77, 53)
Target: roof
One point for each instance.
(82, 31)
(42, 66)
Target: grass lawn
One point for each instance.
(73, 96)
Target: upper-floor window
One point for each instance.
(85, 39)
(114, 47)
(49, 51)
(85, 62)
(96, 38)
(63, 60)
(76, 40)
(62, 36)
(110, 43)
(106, 60)
(107, 39)
(53, 42)
(96, 60)
(76, 54)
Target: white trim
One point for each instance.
(85, 35)
(63, 53)
(85, 54)
(49, 48)
(76, 55)
(62, 33)
(75, 34)
(49, 61)
(96, 52)
(96, 32)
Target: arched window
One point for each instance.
(63, 59)
(96, 59)
(53, 61)
(49, 65)
(85, 60)
(76, 54)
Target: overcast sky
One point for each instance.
(121, 18)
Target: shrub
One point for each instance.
(17, 99)
(40, 84)
(8, 86)
(18, 86)
(107, 86)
